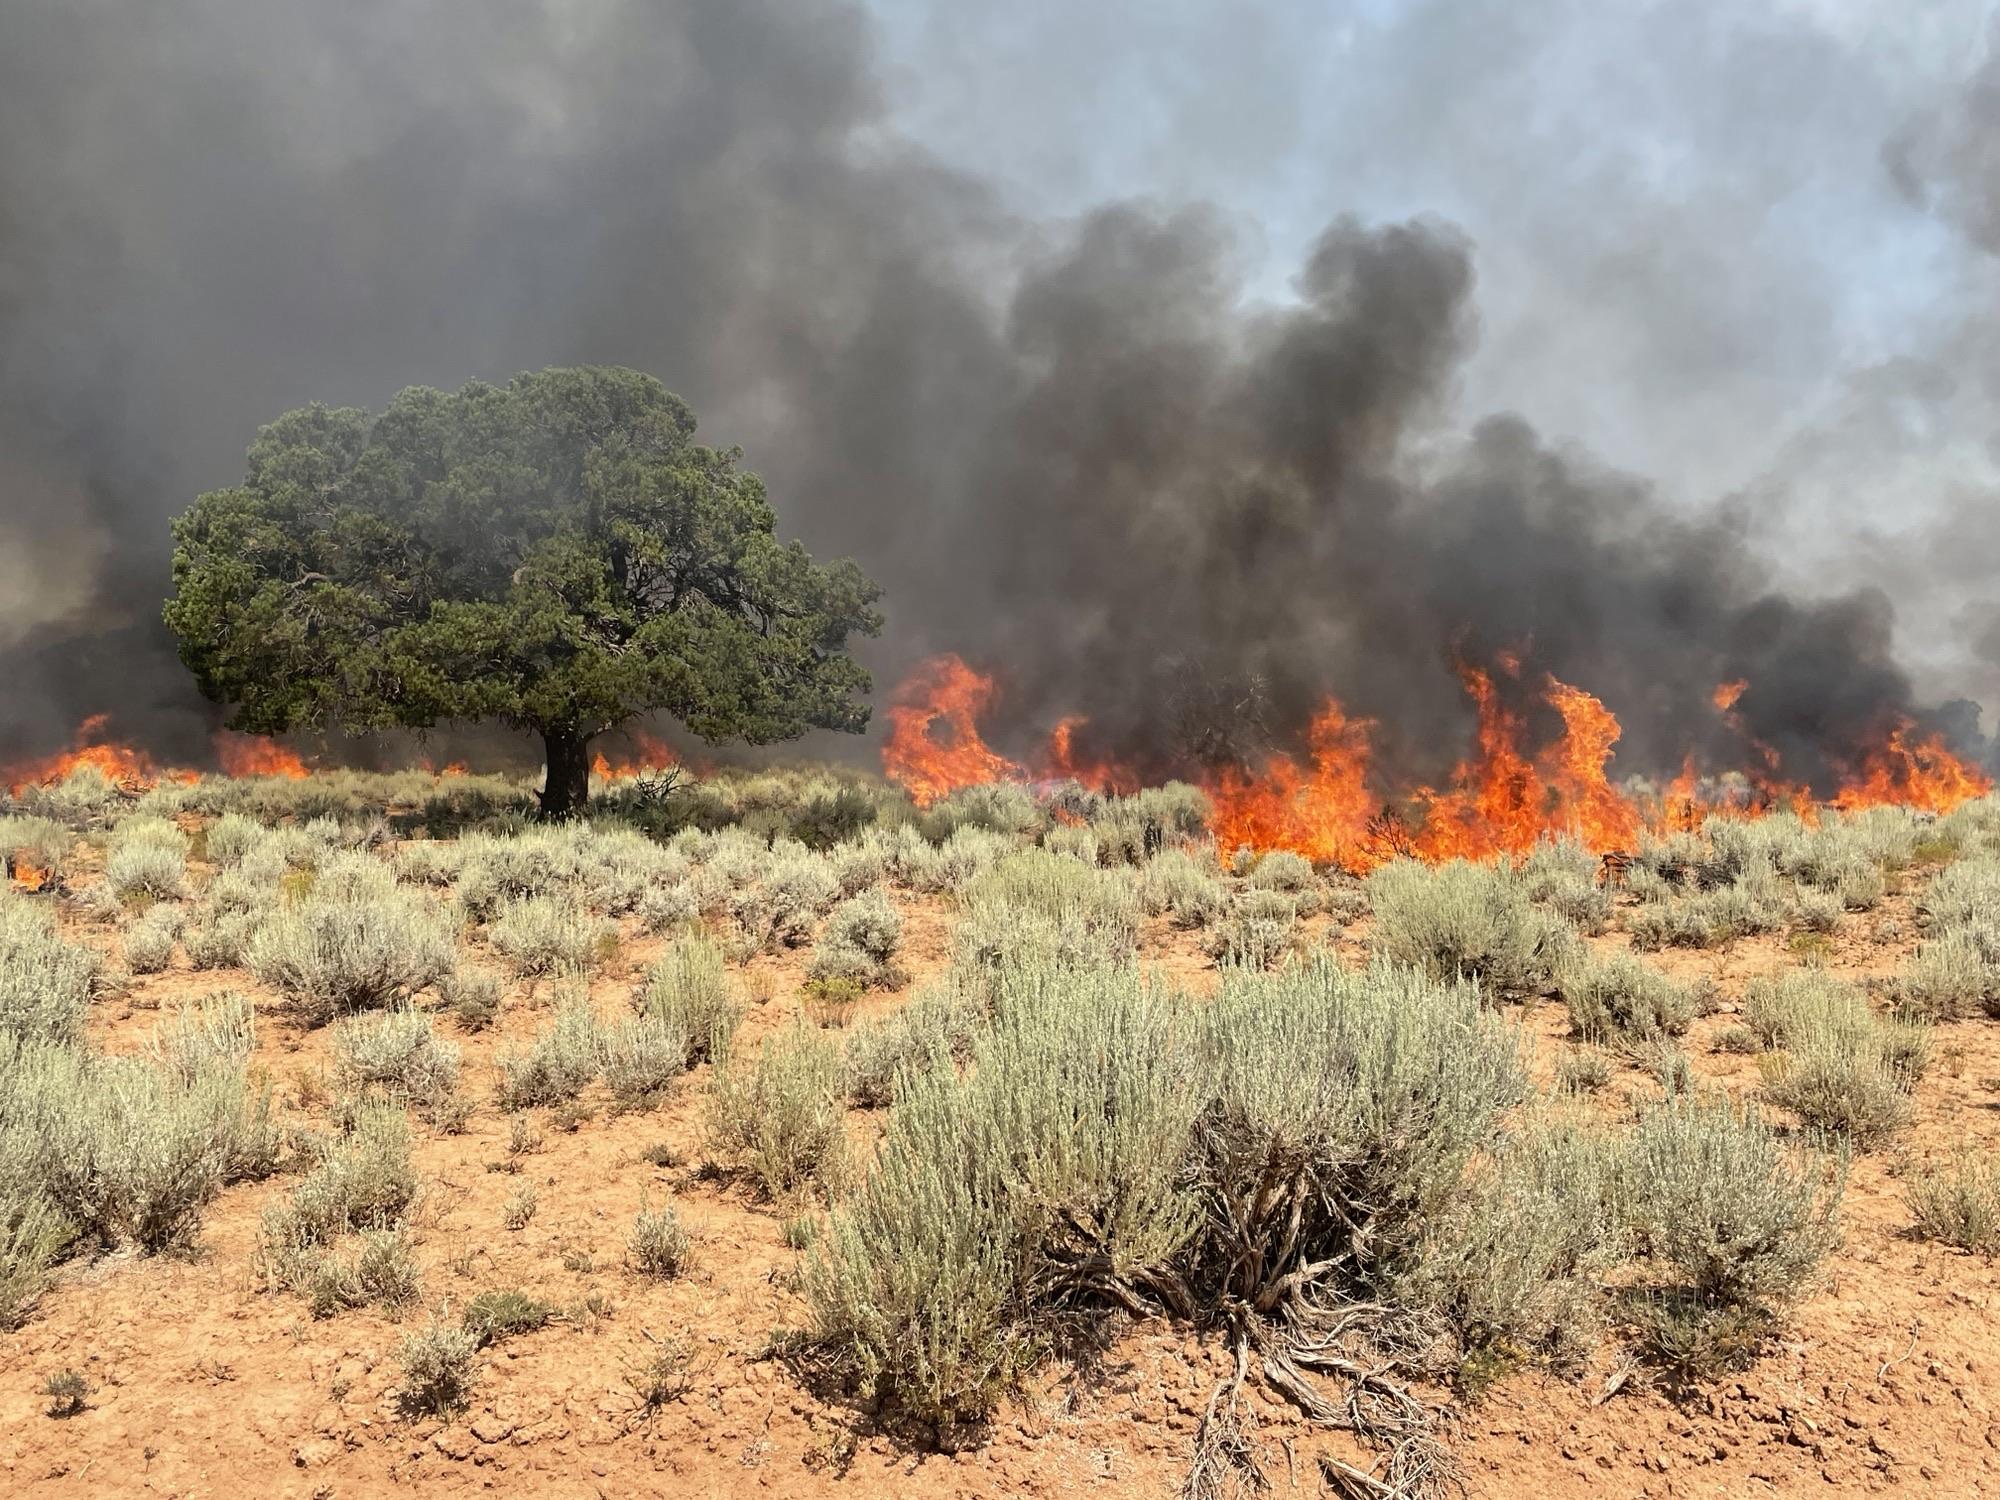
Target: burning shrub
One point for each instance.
(1465, 919)
(1729, 1223)
(36, 851)
(334, 956)
(687, 990)
(1620, 998)
(779, 1118)
(862, 937)
(550, 934)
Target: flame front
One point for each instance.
(1329, 805)
(125, 764)
(1323, 810)
(1063, 761)
(1898, 773)
(253, 755)
(942, 691)
(649, 755)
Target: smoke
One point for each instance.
(1086, 448)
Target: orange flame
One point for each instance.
(127, 765)
(253, 755)
(26, 874)
(1062, 761)
(1925, 775)
(943, 690)
(1499, 803)
(649, 754)
(1325, 812)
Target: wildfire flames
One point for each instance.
(136, 771)
(248, 755)
(649, 755)
(1331, 805)
(945, 692)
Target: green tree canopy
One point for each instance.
(558, 553)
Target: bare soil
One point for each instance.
(204, 1383)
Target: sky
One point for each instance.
(1694, 257)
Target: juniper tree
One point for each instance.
(557, 553)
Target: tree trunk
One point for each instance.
(567, 787)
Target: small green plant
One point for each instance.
(67, 1392)
(494, 1317)
(439, 1365)
(830, 1002)
(780, 1117)
(659, 1377)
(659, 1244)
(1959, 1205)
(1584, 1071)
(519, 1210)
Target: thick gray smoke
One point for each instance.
(1077, 452)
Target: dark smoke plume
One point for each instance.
(1078, 452)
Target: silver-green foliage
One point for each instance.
(935, 1030)
(547, 934)
(687, 990)
(863, 935)
(397, 1052)
(46, 984)
(1467, 919)
(561, 1064)
(127, 1149)
(779, 1118)
(1730, 1222)
(332, 956)
(1836, 1064)
(1624, 999)
(1034, 905)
